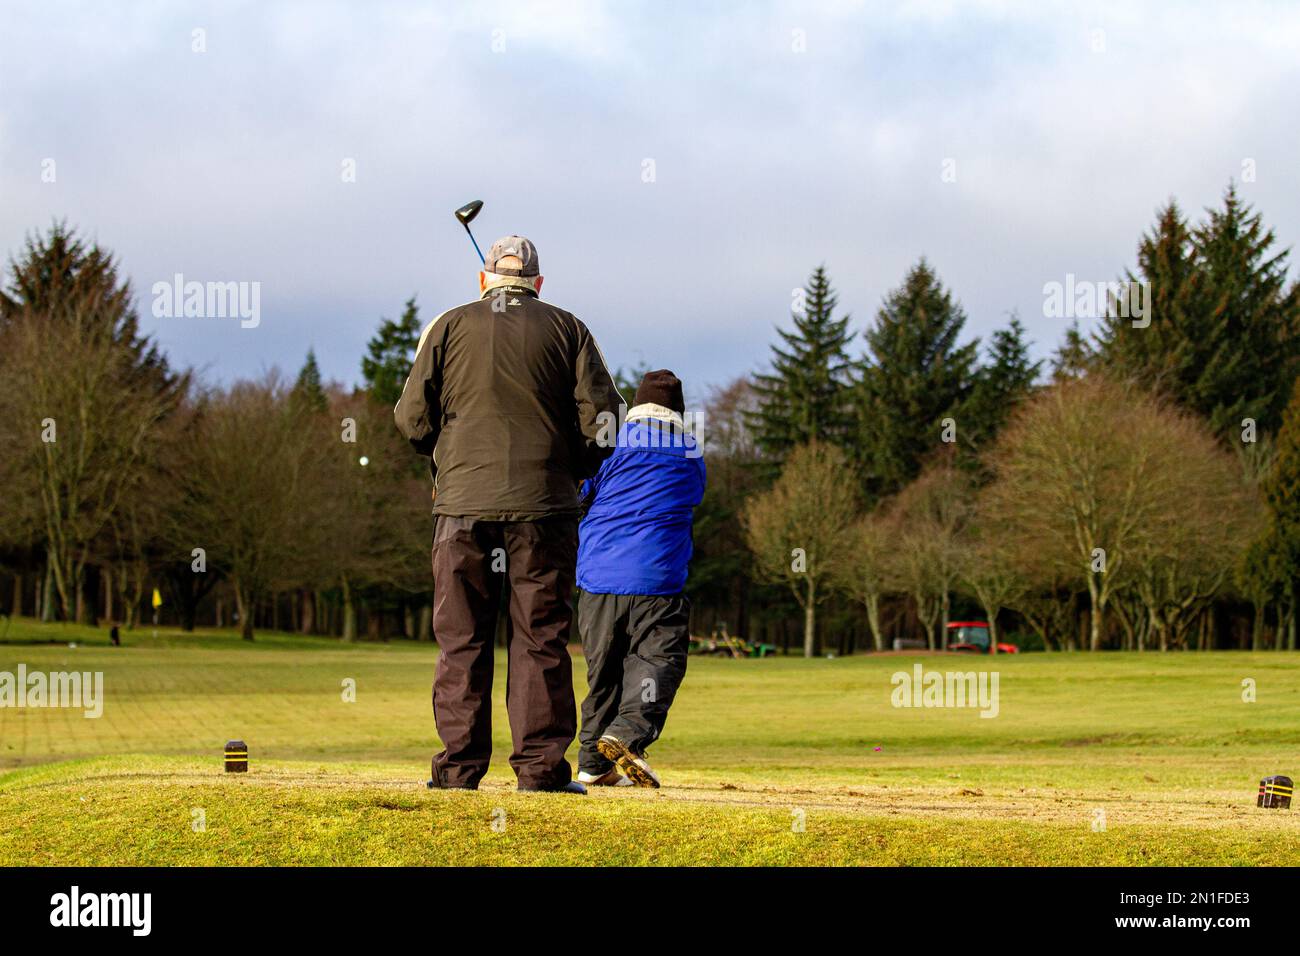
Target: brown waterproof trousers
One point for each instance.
(472, 561)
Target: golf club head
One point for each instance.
(467, 212)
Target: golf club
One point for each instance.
(465, 215)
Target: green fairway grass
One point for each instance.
(1092, 759)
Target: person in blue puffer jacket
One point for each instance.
(634, 546)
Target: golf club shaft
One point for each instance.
(476, 248)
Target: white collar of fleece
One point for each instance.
(660, 413)
(494, 280)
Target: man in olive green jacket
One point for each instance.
(512, 401)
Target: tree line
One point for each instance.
(1144, 493)
(1141, 491)
(265, 503)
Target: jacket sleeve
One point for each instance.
(597, 400)
(418, 412)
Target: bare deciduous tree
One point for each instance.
(1210, 513)
(796, 528)
(1097, 477)
(80, 427)
(929, 515)
(248, 480)
(862, 568)
(987, 568)
(372, 508)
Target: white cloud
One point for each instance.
(768, 161)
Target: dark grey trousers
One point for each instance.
(635, 646)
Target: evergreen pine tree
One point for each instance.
(1073, 357)
(1223, 326)
(1247, 356)
(914, 375)
(390, 353)
(804, 397)
(1161, 349)
(308, 394)
(55, 278)
(1008, 377)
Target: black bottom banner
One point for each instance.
(234, 907)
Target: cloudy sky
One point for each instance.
(681, 166)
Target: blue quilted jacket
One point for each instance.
(636, 537)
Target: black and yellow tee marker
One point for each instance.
(236, 756)
(1275, 792)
